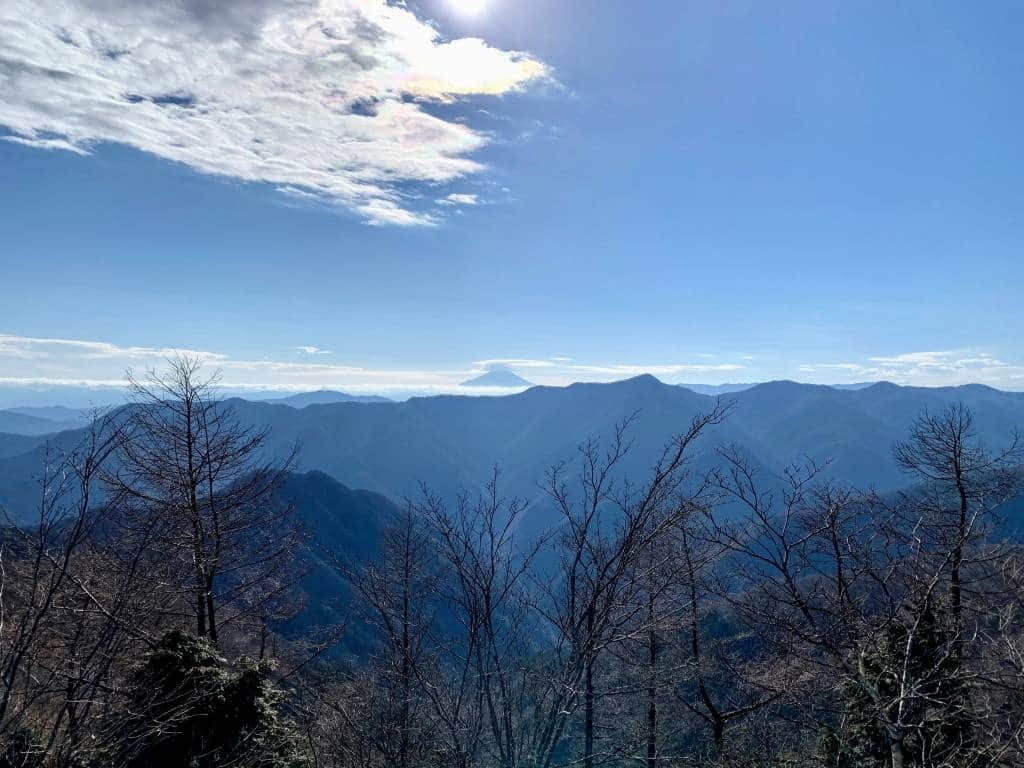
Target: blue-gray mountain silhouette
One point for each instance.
(452, 443)
(40, 421)
(729, 389)
(343, 523)
(325, 397)
(498, 377)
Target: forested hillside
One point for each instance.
(668, 592)
(453, 442)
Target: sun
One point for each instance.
(468, 7)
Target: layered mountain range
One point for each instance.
(453, 443)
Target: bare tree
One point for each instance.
(73, 608)
(963, 485)
(866, 598)
(729, 676)
(607, 526)
(396, 597)
(484, 582)
(187, 467)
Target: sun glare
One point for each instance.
(468, 7)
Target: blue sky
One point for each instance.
(713, 191)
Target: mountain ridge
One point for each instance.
(323, 397)
(453, 442)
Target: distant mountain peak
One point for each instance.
(788, 385)
(643, 379)
(498, 377)
(325, 397)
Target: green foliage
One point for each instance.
(192, 708)
(22, 750)
(935, 722)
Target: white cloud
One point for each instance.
(49, 381)
(948, 360)
(38, 143)
(513, 362)
(560, 370)
(38, 361)
(950, 367)
(459, 198)
(317, 97)
(51, 361)
(42, 349)
(657, 370)
(811, 368)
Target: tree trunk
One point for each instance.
(588, 725)
(403, 748)
(955, 598)
(896, 753)
(718, 737)
(588, 697)
(200, 606)
(211, 615)
(652, 691)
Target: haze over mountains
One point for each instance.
(360, 457)
(453, 443)
(41, 420)
(726, 389)
(323, 397)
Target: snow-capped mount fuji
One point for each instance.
(498, 377)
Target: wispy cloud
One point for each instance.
(656, 369)
(459, 198)
(322, 98)
(38, 361)
(33, 348)
(937, 368)
(51, 361)
(563, 370)
(515, 362)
